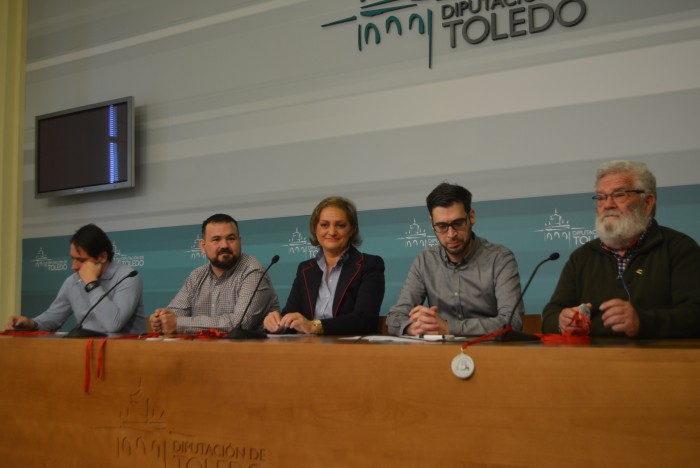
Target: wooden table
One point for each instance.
(321, 402)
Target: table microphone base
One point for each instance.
(80, 332)
(240, 334)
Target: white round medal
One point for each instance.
(463, 366)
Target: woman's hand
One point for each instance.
(272, 322)
(297, 322)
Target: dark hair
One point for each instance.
(93, 241)
(218, 218)
(445, 195)
(350, 211)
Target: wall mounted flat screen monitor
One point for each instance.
(85, 149)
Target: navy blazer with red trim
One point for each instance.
(358, 296)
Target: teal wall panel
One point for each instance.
(531, 227)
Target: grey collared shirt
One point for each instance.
(475, 296)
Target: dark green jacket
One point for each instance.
(663, 279)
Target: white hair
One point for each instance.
(645, 179)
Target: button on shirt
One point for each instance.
(329, 283)
(475, 296)
(623, 261)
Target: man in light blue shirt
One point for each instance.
(121, 311)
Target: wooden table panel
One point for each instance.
(315, 402)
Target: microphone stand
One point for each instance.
(79, 331)
(238, 333)
(515, 335)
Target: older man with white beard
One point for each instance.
(638, 279)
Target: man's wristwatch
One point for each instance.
(318, 325)
(91, 285)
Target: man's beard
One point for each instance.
(619, 232)
(224, 264)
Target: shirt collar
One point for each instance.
(321, 260)
(466, 258)
(226, 273)
(108, 274)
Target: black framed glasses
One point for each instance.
(459, 224)
(618, 196)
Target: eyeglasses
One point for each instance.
(458, 225)
(618, 196)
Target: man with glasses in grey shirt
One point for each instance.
(471, 284)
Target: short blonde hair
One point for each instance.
(348, 208)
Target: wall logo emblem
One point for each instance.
(128, 260)
(417, 237)
(41, 260)
(556, 228)
(194, 250)
(464, 22)
(298, 244)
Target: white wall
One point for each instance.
(250, 107)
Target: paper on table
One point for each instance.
(401, 339)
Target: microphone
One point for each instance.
(79, 331)
(238, 332)
(514, 335)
